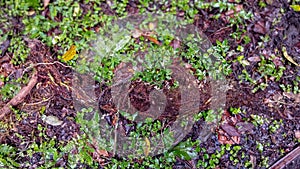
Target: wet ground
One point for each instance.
(272, 105)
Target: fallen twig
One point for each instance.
(20, 96)
(286, 159)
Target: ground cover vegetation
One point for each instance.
(46, 47)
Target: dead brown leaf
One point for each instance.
(245, 127)
(259, 27)
(230, 130)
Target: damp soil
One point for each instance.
(271, 103)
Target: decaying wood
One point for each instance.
(286, 159)
(20, 96)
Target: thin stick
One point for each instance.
(286, 159)
(20, 96)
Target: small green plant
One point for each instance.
(19, 50)
(45, 152)
(208, 62)
(8, 91)
(184, 150)
(19, 8)
(50, 151)
(12, 86)
(211, 160)
(155, 77)
(221, 5)
(291, 87)
(120, 7)
(74, 28)
(235, 111)
(234, 152)
(258, 120)
(209, 116)
(268, 68)
(264, 162)
(262, 4)
(240, 18)
(267, 71)
(275, 125)
(8, 156)
(146, 128)
(162, 162)
(246, 76)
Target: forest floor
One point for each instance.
(142, 84)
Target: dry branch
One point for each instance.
(20, 96)
(286, 159)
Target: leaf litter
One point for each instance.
(229, 132)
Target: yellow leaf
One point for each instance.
(296, 8)
(147, 147)
(286, 55)
(70, 53)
